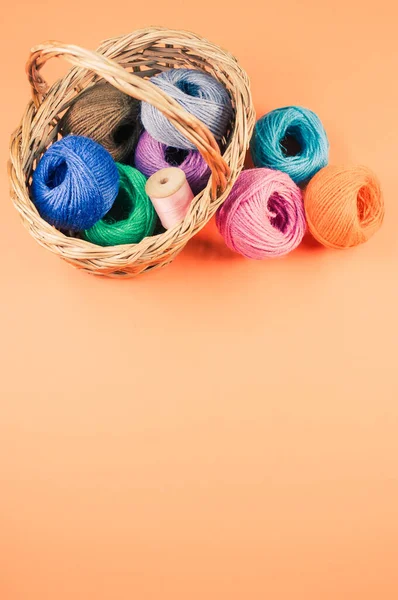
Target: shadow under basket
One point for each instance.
(127, 62)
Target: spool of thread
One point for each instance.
(263, 215)
(292, 140)
(151, 156)
(344, 206)
(75, 183)
(132, 216)
(200, 94)
(107, 116)
(170, 194)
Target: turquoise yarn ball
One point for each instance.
(290, 139)
(75, 183)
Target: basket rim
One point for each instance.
(155, 250)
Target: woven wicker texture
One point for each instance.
(126, 62)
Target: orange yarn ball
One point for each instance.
(344, 206)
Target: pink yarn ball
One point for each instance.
(263, 215)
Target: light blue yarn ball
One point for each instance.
(75, 183)
(200, 94)
(292, 140)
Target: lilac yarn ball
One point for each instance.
(263, 215)
(151, 156)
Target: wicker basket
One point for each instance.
(127, 62)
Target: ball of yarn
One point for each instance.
(106, 115)
(132, 216)
(344, 206)
(263, 215)
(75, 183)
(292, 140)
(151, 156)
(200, 94)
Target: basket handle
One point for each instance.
(137, 87)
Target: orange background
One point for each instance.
(220, 429)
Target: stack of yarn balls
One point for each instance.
(91, 183)
(268, 210)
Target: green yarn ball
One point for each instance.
(132, 216)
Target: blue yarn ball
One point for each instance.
(292, 140)
(75, 183)
(200, 94)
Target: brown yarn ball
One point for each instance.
(107, 116)
(344, 206)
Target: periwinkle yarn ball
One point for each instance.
(151, 156)
(75, 183)
(200, 94)
(263, 216)
(107, 116)
(292, 140)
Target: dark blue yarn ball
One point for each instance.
(75, 183)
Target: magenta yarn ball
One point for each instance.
(263, 215)
(151, 156)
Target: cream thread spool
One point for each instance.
(170, 194)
